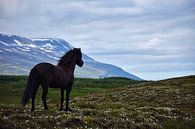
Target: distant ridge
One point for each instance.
(19, 54)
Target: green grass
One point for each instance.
(12, 87)
(109, 103)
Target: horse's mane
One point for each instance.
(67, 58)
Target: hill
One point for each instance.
(19, 54)
(166, 104)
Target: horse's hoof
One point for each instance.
(46, 108)
(68, 110)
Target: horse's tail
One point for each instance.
(31, 84)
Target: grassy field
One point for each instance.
(12, 87)
(108, 103)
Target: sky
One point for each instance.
(153, 39)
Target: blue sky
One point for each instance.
(153, 39)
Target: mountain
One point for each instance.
(19, 54)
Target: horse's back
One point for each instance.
(44, 71)
(44, 66)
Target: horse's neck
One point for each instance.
(70, 66)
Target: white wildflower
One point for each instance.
(5, 117)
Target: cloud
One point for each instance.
(141, 36)
(154, 42)
(165, 6)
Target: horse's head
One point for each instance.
(73, 57)
(79, 60)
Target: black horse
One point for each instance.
(48, 75)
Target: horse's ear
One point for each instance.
(77, 49)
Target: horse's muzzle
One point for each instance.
(81, 64)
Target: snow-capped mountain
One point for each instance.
(18, 55)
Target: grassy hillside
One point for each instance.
(167, 104)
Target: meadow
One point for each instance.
(104, 103)
(12, 87)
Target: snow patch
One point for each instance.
(46, 50)
(18, 43)
(6, 44)
(39, 39)
(26, 48)
(65, 47)
(9, 50)
(23, 49)
(31, 45)
(48, 45)
(14, 49)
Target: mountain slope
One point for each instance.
(19, 55)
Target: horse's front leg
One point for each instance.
(44, 95)
(62, 99)
(67, 100)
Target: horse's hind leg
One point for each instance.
(33, 97)
(44, 95)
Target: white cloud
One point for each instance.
(163, 5)
(152, 43)
(128, 33)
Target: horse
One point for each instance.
(53, 76)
